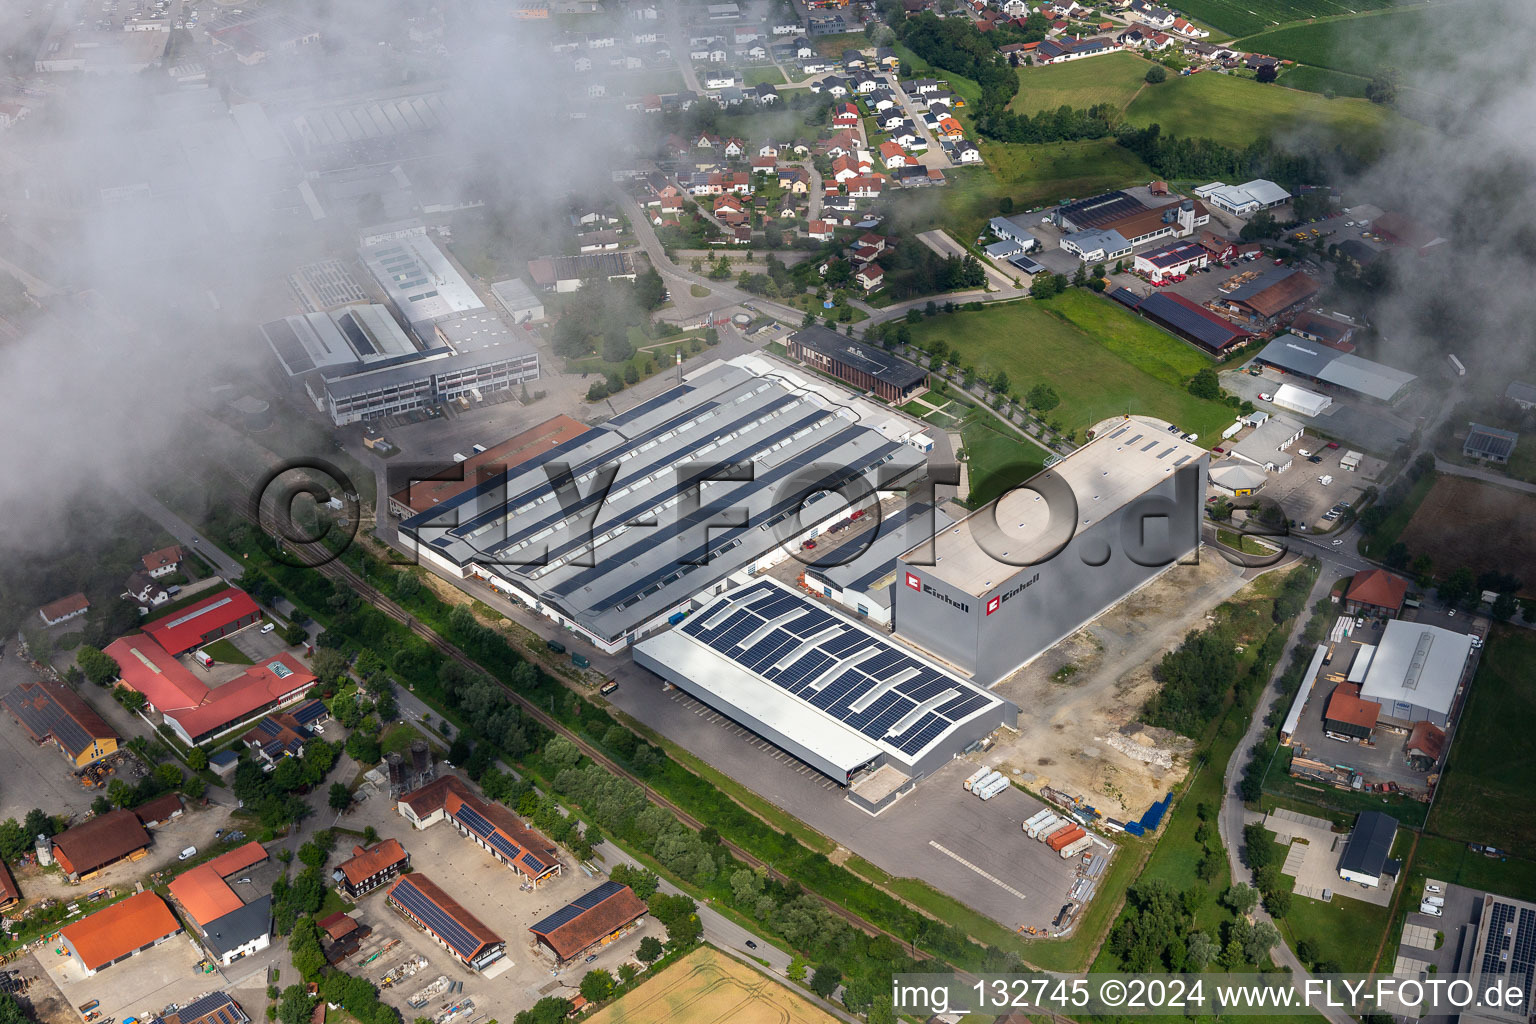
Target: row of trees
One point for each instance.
(1157, 932)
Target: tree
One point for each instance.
(1309, 951)
(1205, 384)
(650, 292)
(294, 634)
(1156, 74)
(295, 1007)
(825, 980)
(1457, 587)
(1382, 88)
(598, 391)
(1080, 276)
(99, 667)
(1277, 902)
(597, 985)
(796, 969)
(1043, 286)
(168, 775)
(133, 700)
(1260, 225)
(1042, 398)
(1005, 205)
(1261, 939)
(195, 787)
(650, 950)
(1258, 849)
(1240, 898)
(38, 823)
(1504, 607)
(1267, 73)
(197, 759)
(340, 797)
(1199, 951)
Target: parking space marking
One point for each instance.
(952, 855)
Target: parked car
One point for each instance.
(809, 545)
(1433, 888)
(1314, 458)
(1333, 444)
(1432, 911)
(1265, 396)
(1477, 641)
(751, 944)
(1303, 452)
(187, 854)
(590, 958)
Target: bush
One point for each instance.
(1156, 74)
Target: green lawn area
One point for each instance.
(1242, 542)
(1403, 38)
(1397, 521)
(698, 291)
(1033, 345)
(1114, 79)
(1032, 176)
(226, 651)
(834, 45)
(648, 83)
(651, 356)
(397, 738)
(1237, 112)
(1348, 931)
(760, 76)
(1133, 339)
(1240, 17)
(1451, 861)
(1322, 80)
(1485, 794)
(998, 459)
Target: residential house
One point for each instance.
(719, 79)
(764, 164)
(735, 148)
(853, 60)
(370, 867)
(869, 277)
(784, 27)
(1376, 593)
(894, 156)
(804, 50)
(881, 100)
(64, 609)
(891, 120)
(1189, 29)
(1149, 14)
(164, 562)
(741, 235)
(962, 151)
(886, 58)
(844, 115)
(865, 187)
(766, 94)
(844, 169)
(820, 230)
(949, 128)
(146, 593)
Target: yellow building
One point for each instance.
(53, 712)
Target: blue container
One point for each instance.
(1134, 828)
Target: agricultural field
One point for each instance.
(708, 987)
(1237, 111)
(1240, 17)
(1114, 79)
(1030, 175)
(1491, 745)
(1402, 39)
(1322, 80)
(1480, 525)
(1095, 378)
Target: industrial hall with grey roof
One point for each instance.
(708, 479)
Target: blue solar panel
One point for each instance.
(477, 823)
(576, 908)
(533, 863)
(1208, 329)
(840, 672)
(434, 917)
(596, 896)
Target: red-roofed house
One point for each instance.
(819, 230)
(118, 932)
(949, 128)
(865, 187)
(844, 168)
(369, 868)
(64, 609)
(1376, 592)
(870, 276)
(764, 164)
(163, 562)
(845, 115)
(1348, 715)
(230, 927)
(894, 156)
(215, 616)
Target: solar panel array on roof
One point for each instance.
(309, 712)
(213, 1008)
(1207, 328)
(43, 716)
(477, 823)
(862, 681)
(356, 337)
(1099, 210)
(459, 938)
(576, 907)
(1510, 950)
(288, 347)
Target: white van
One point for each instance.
(269, 627)
(1431, 910)
(187, 854)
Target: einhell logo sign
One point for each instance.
(994, 604)
(916, 583)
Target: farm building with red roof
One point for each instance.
(207, 620)
(1376, 592)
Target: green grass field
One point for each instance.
(1114, 79)
(1030, 342)
(1402, 39)
(1451, 861)
(769, 75)
(226, 651)
(1134, 339)
(1348, 931)
(998, 460)
(1397, 521)
(1322, 80)
(1239, 17)
(1029, 175)
(1485, 794)
(1237, 112)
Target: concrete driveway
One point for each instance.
(1313, 859)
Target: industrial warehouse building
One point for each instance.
(52, 712)
(418, 278)
(859, 573)
(1249, 197)
(99, 843)
(458, 931)
(229, 927)
(1119, 221)
(1415, 672)
(1367, 852)
(835, 694)
(1170, 260)
(1490, 444)
(1300, 400)
(731, 467)
(1500, 953)
(491, 826)
(590, 921)
(1272, 294)
(358, 364)
(865, 367)
(1335, 370)
(987, 597)
(109, 936)
(1189, 320)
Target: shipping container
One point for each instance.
(1056, 833)
(1076, 847)
(985, 781)
(993, 788)
(1038, 818)
(1061, 840)
(977, 776)
(1045, 824)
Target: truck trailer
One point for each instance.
(993, 788)
(1050, 821)
(977, 776)
(1076, 847)
(986, 780)
(1061, 840)
(1037, 819)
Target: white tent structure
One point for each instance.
(1295, 399)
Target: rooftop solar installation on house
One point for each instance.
(613, 562)
(836, 694)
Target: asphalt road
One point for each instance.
(183, 531)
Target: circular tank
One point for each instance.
(396, 771)
(421, 756)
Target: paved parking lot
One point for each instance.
(971, 850)
(1454, 931)
(137, 987)
(1369, 426)
(1313, 859)
(34, 776)
(491, 892)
